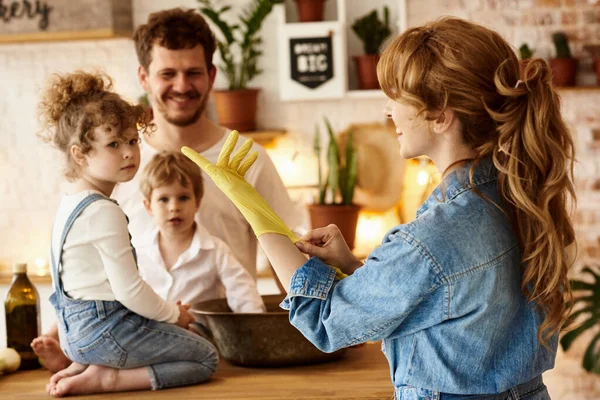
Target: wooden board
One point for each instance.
(97, 34)
(57, 20)
(363, 373)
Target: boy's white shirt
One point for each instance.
(98, 262)
(205, 270)
(217, 213)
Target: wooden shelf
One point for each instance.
(6, 277)
(578, 89)
(264, 137)
(378, 94)
(34, 37)
(365, 94)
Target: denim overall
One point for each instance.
(107, 333)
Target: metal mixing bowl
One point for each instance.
(260, 340)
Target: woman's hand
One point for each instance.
(329, 245)
(185, 318)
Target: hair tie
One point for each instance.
(518, 83)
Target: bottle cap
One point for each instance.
(19, 268)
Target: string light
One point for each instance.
(422, 178)
(41, 266)
(371, 228)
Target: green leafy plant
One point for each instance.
(561, 43)
(525, 52)
(373, 31)
(587, 302)
(341, 171)
(144, 100)
(239, 46)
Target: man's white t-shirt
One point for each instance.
(217, 213)
(98, 262)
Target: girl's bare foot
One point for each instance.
(71, 370)
(94, 379)
(49, 351)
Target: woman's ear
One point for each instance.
(444, 121)
(78, 155)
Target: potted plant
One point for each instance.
(586, 303)
(336, 192)
(596, 64)
(564, 66)
(594, 51)
(525, 55)
(372, 32)
(239, 49)
(310, 10)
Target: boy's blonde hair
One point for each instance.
(168, 167)
(74, 105)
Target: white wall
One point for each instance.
(30, 175)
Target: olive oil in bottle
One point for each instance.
(22, 308)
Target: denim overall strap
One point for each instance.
(74, 215)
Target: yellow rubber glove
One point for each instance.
(228, 175)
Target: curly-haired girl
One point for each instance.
(118, 332)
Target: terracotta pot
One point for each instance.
(344, 216)
(564, 71)
(366, 67)
(236, 109)
(310, 10)
(597, 68)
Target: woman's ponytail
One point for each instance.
(534, 155)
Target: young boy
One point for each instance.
(180, 260)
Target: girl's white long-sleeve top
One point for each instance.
(98, 259)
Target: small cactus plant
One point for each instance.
(341, 171)
(372, 31)
(525, 52)
(561, 42)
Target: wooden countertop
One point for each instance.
(362, 373)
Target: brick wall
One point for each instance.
(533, 22)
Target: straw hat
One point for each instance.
(380, 168)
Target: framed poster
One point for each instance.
(311, 61)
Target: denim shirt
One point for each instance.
(443, 292)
